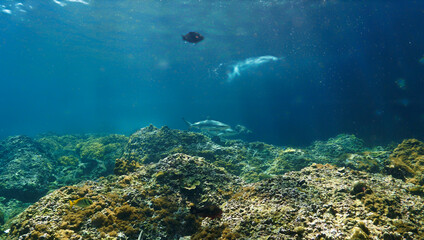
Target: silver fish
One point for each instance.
(208, 125)
(224, 133)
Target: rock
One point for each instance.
(173, 184)
(333, 148)
(358, 234)
(407, 161)
(287, 160)
(10, 208)
(250, 161)
(152, 203)
(194, 177)
(82, 157)
(277, 208)
(360, 189)
(369, 161)
(155, 202)
(33, 167)
(150, 144)
(26, 170)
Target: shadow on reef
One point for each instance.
(172, 184)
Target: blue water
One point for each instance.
(116, 66)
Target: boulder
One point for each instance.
(26, 169)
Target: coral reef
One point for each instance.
(288, 160)
(250, 161)
(329, 151)
(368, 161)
(80, 157)
(26, 170)
(407, 161)
(32, 167)
(318, 202)
(150, 144)
(348, 151)
(173, 184)
(10, 208)
(153, 202)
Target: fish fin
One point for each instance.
(188, 123)
(183, 37)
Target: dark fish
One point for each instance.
(193, 37)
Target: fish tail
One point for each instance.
(188, 123)
(71, 204)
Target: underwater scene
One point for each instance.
(211, 119)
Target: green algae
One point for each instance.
(69, 160)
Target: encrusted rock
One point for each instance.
(251, 161)
(156, 202)
(152, 203)
(150, 144)
(321, 208)
(407, 161)
(336, 147)
(174, 184)
(82, 157)
(25, 170)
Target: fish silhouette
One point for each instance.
(193, 37)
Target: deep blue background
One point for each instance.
(116, 66)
